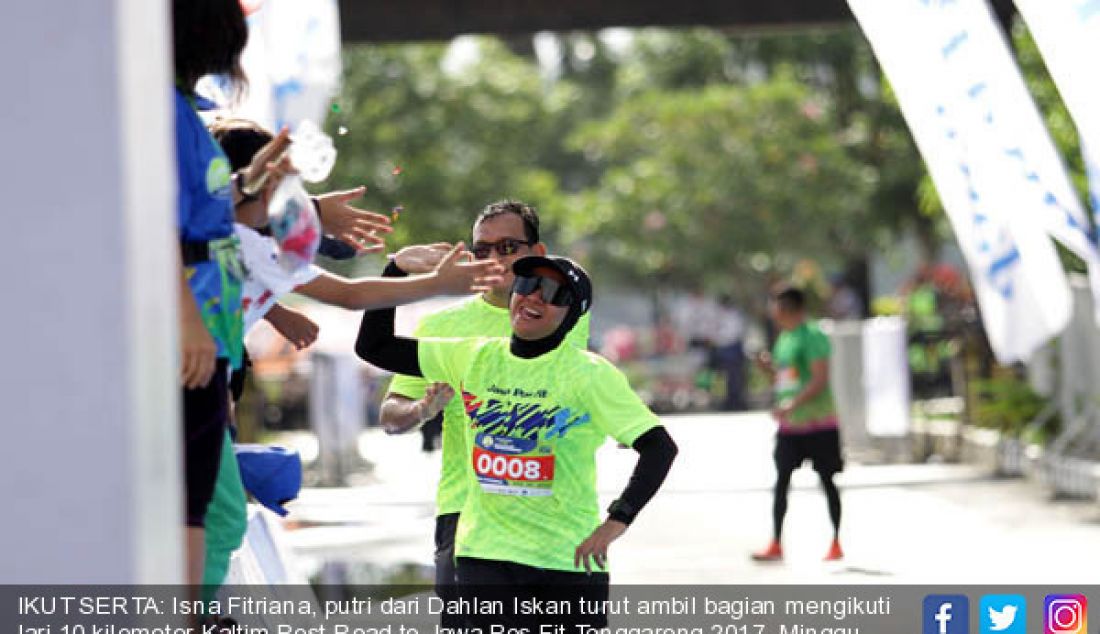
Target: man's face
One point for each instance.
(533, 317)
(784, 319)
(499, 232)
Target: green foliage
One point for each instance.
(462, 140)
(686, 157)
(700, 176)
(677, 60)
(1006, 403)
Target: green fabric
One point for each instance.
(533, 427)
(226, 521)
(474, 318)
(793, 356)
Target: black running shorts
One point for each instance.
(822, 448)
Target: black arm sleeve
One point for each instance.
(378, 345)
(656, 451)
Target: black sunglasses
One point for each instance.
(504, 247)
(552, 291)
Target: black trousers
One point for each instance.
(446, 577)
(510, 583)
(205, 415)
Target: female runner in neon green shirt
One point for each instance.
(538, 411)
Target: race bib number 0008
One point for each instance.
(503, 470)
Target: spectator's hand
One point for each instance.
(595, 547)
(458, 273)
(364, 230)
(198, 352)
(293, 325)
(270, 164)
(436, 397)
(422, 258)
(782, 411)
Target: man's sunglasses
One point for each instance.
(505, 247)
(552, 291)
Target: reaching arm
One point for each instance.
(378, 345)
(452, 275)
(355, 227)
(400, 413)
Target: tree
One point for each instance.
(701, 184)
(685, 156)
(460, 139)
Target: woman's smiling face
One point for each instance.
(532, 317)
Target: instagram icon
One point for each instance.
(1065, 614)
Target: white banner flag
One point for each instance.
(989, 155)
(1092, 169)
(292, 61)
(1068, 35)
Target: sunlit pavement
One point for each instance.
(902, 523)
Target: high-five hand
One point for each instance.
(364, 230)
(458, 273)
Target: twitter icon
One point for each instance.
(1002, 614)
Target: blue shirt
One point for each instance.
(205, 201)
(205, 214)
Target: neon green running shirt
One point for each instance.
(532, 428)
(793, 355)
(473, 318)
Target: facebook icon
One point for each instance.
(946, 614)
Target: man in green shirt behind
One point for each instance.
(799, 365)
(505, 231)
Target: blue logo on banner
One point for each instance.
(946, 614)
(1002, 614)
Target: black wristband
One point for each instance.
(392, 270)
(621, 511)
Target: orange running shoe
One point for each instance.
(835, 553)
(774, 552)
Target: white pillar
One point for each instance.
(336, 409)
(90, 447)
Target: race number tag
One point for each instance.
(507, 466)
(786, 380)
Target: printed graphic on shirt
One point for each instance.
(475, 317)
(513, 451)
(216, 285)
(556, 409)
(218, 178)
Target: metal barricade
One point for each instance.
(1072, 459)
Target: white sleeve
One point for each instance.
(266, 280)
